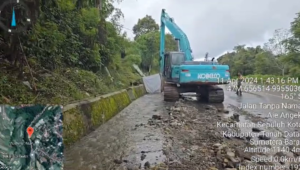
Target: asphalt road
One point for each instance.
(254, 98)
(281, 127)
(126, 136)
(122, 138)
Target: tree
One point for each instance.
(248, 60)
(277, 47)
(76, 43)
(263, 63)
(145, 25)
(292, 45)
(280, 55)
(148, 40)
(149, 45)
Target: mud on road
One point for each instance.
(153, 134)
(194, 141)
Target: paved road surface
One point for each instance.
(263, 97)
(280, 123)
(119, 139)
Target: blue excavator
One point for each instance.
(180, 74)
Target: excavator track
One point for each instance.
(215, 95)
(211, 94)
(171, 93)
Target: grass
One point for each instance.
(62, 86)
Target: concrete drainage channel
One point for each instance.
(128, 140)
(85, 116)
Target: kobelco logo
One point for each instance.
(208, 75)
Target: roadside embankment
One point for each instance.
(85, 116)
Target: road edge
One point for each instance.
(83, 117)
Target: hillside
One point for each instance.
(74, 50)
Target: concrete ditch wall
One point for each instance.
(83, 117)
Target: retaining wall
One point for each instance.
(83, 117)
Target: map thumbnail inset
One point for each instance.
(41, 147)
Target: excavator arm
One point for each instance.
(181, 74)
(179, 35)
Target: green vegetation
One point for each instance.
(74, 50)
(83, 118)
(278, 58)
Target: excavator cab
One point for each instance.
(172, 63)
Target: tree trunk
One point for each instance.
(149, 70)
(283, 72)
(99, 4)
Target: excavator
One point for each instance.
(181, 74)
